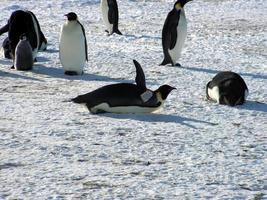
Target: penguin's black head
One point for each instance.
(23, 37)
(71, 16)
(180, 4)
(165, 90)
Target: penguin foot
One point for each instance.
(71, 73)
(178, 65)
(12, 67)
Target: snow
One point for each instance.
(51, 148)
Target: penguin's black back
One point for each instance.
(113, 15)
(41, 35)
(169, 34)
(231, 87)
(222, 78)
(20, 23)
(122, 94)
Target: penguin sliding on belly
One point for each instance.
(110, 14)
(73, 46)
(227, 88)
(126, 97)
(174, 33)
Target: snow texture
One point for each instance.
(51, 148)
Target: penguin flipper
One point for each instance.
(111, 13)
(169, 36)
(173, 30)
(85, 42)
(140, 78)
(173, 37)
(4, 29)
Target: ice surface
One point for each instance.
(51, 148)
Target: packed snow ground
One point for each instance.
(193, 149)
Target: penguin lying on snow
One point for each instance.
(227, 88)
(126, 97)
(73, 46)
(110, 14)
(174, 33)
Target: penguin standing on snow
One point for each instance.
(23, 55)
(227, 88)
(73, 46)
(110, 14)
(126, 97)
(23, 22)
(174, 33)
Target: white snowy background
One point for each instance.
(193, 149)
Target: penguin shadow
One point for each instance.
(52, 51)
(160, 118)
(17, 76)
(59, 73)
(254, 106)
(42, 59)
(142, 37)
(211, 71)
(6, 62)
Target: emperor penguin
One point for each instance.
(227, 88)
(174, 33)
(73, 46)
(126, 97)
(22, 23)
(110, 15)
(23, 55)
(42, 40)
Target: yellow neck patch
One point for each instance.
(178, 6)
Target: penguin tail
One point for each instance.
(71, 73)
(117, 31)
(165, 62)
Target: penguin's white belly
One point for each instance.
(72, 50)
(35, 50)
(214, 93)
(124, 109)
(104, 8)
(175, 53)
